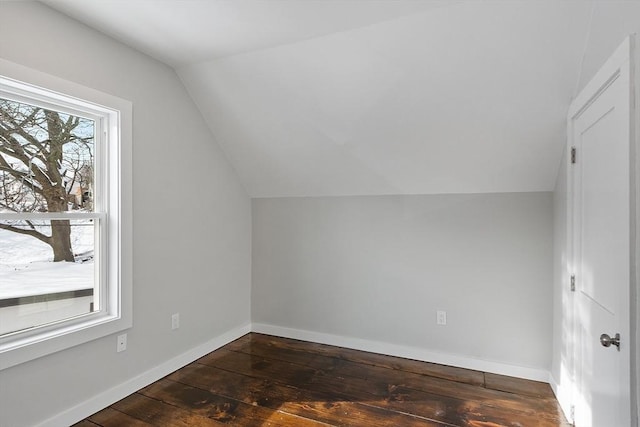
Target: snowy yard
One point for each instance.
(26, 266)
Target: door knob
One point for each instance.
(607, 341)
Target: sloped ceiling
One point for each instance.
(344, 97)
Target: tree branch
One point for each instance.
(21, 176)
(14, 149)
(19, 128)
(42, 237)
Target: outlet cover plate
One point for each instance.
(122, 343)
(175, 321)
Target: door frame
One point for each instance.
(635, 230)
(626, 53)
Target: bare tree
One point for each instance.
(45, 158)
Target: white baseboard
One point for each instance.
(108, 397)
(554, 385)
(415, 353)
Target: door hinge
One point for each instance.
(573, 155)
(573, 283)
(572, 413)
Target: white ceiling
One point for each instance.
(180, 32)
(348, 97)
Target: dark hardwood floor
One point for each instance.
(261, 380)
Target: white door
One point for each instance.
(599, 124)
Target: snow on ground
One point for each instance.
(26, 266)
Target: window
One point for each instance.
(65, 275)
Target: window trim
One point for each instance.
(117, 148)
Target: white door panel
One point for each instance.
(600, 133)
(605, 185)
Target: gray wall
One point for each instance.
(192, 233)
(377, 268)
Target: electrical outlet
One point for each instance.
(122, 343)
(441, 317)
(175, 321)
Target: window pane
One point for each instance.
(35, 290)
(46, 159)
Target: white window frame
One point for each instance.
(113, 117)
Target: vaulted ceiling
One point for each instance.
(351, 97)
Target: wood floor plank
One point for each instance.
(109, 417)
(161, 414)
(294, 351)
(443, 387)
(366, 379)
(226, 410)
(330, 408)
(378, 390)
(85, 423)
(397, 363)
(261, 380)
(519, 386)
